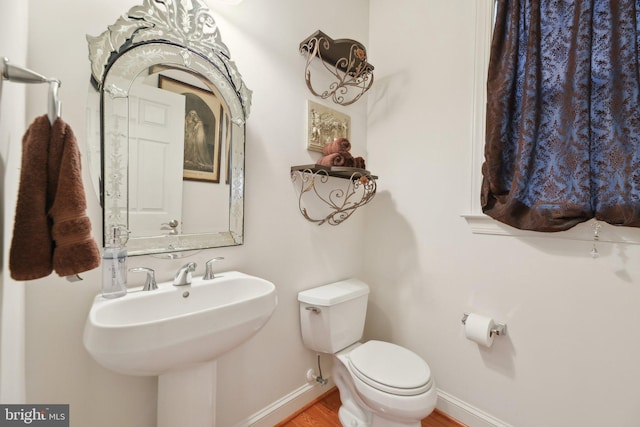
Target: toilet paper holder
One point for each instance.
(498, 330)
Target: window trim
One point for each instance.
(484, 29)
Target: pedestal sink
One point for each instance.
(177, 332)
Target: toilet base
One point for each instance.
(348, 419)
(378, 421)
(368, 419)
(354, 412)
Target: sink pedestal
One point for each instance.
(187, 397)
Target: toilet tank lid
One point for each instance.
(334, 293)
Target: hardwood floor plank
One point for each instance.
(439, 419)
(323, 412)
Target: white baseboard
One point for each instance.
(287, 405)
(465, 413)
(297, 399)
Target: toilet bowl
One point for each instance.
(388, 380)
(381, 384)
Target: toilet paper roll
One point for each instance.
(477, 328)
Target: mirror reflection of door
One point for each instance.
(156, 132)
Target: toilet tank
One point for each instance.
(332, 316)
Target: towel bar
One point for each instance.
(14, 73)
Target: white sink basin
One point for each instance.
(154, 332)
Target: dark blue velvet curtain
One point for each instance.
(563, 114)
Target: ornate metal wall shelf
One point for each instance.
(358, 187)
(345, 60)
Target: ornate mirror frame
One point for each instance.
(179, 35)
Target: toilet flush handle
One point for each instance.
(313, 309)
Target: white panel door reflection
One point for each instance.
(156, 137)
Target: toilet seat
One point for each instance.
(390, 368)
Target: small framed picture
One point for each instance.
(325, 124)
(203, 130)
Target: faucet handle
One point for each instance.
(150, 283)
(208, 272)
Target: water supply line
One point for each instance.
(311, 376)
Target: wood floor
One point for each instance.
(323, 412)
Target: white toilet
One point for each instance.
(381, 384)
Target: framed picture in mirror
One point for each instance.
(203, 127)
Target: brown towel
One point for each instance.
(358, 162)
(31, 247)
(336, 146)
(333, 159)
(342, 158)
(51, 193)
(75, 251)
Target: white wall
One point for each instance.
(13, 45)
(571, 354)
(263, 37)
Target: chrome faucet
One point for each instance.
(150, 283)
(183, 276)
(208, 273)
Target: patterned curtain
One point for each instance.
(563, 114)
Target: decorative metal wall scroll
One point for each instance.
(340, 198)
(345, 60)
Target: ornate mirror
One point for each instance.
(168, 118)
